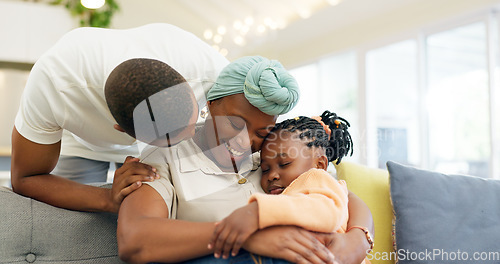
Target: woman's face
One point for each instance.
(235, 129)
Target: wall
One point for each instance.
(11, 83)
(154, 11)
(29, 29)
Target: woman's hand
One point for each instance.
(348, 248)
(128, 178)
(291, 243)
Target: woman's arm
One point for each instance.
(359, 213)
(351, 247)
(145, 234)
(291, 243)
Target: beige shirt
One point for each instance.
(194, 188)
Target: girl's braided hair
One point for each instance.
(337, 145)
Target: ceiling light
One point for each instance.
(281, 24)
(268, 21)
(239, 40)
(223, 52)
(244, 30)
(304, 13)
(249, 20)
(237, 25)
(261, 29)
(217, 39)
(208, 34)
(334, 2)
(221, 30)
(93, 4)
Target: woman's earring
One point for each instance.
(204, 112)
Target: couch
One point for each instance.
(34, 232)
(420, 217)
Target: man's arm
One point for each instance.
(32, 163)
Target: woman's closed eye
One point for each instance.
(235, 125)
(261, 135)
(263, 132)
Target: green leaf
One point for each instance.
(88, 17)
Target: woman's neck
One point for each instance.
(200, 139)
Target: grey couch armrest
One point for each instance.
(32, 231)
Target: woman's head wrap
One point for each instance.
(265, 83)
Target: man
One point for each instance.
(65, 113)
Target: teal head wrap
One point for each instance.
(265, 83)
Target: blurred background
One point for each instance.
(417, 79)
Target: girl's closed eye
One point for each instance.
(284, 164)
(264, 169)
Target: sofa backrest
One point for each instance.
(34, 231)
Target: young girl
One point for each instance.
(295, 156)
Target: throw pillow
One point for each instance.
(444, 218)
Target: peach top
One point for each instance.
(315, 201)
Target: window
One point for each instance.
(307, 78)
(391, 85)
(339, 93)
(330, 84)
(426, 101)
(457, 100)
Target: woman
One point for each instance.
(205, 178)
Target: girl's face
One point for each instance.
(284, 157)
(235, 129)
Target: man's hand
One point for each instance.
(230, 233)
(290, 243)
(129, 178)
